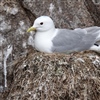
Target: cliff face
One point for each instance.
(32, 75)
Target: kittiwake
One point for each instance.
(50, 39)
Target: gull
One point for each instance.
(50, 39)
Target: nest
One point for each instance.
(40, 76)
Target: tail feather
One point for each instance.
(94, 29)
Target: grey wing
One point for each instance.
(72, 40)
(94, 29)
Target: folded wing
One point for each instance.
(73, 40)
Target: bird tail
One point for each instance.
(97, 42)
(94, 30)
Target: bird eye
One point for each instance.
(41, 23)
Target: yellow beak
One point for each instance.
(31, 29)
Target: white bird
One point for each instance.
(50, 39)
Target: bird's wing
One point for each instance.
(72, 40)
(94, 29)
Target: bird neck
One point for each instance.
(49, 32)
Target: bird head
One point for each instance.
(42, 23)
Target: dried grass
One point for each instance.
(42, 76)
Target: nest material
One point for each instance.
(41, 76)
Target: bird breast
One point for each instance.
(43, 42)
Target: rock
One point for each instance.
(65, 13)
(13, 25)
(35, 75)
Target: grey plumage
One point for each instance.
(74, 40)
